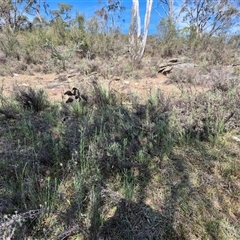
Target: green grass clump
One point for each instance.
(107, 169)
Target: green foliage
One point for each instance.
(92, 174)
(209, 16)
(167, 30)
(114, 166)
(61, 56)
(62, 12)
(60, 23)
(9, 43)
(31, 46)
(169, 38)
(108, 45)
(35, 100)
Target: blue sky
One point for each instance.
(88, 7)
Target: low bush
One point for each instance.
(79, 167)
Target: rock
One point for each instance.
(185, 65)
(173, 60)
(167, 70)
(161, 68)
(236, 138)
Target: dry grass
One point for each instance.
(112, 165)
(102, 168)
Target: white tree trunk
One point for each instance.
(136, 39)
(135, 25)
(146, 25)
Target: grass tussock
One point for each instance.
(104, 164)
(101, 168)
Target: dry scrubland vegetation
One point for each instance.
(115, 166)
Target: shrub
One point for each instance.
(207, 115)
(35, 100)
(9, 43)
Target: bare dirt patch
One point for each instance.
(48, 82)
(55, 85)
(144, 87)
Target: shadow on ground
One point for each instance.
(138, 221)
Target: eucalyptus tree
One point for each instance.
(167, 7)
(210, 16)
(61, 22)
(110, 15)
(13, 13)
(169, 17)
(137, 38)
